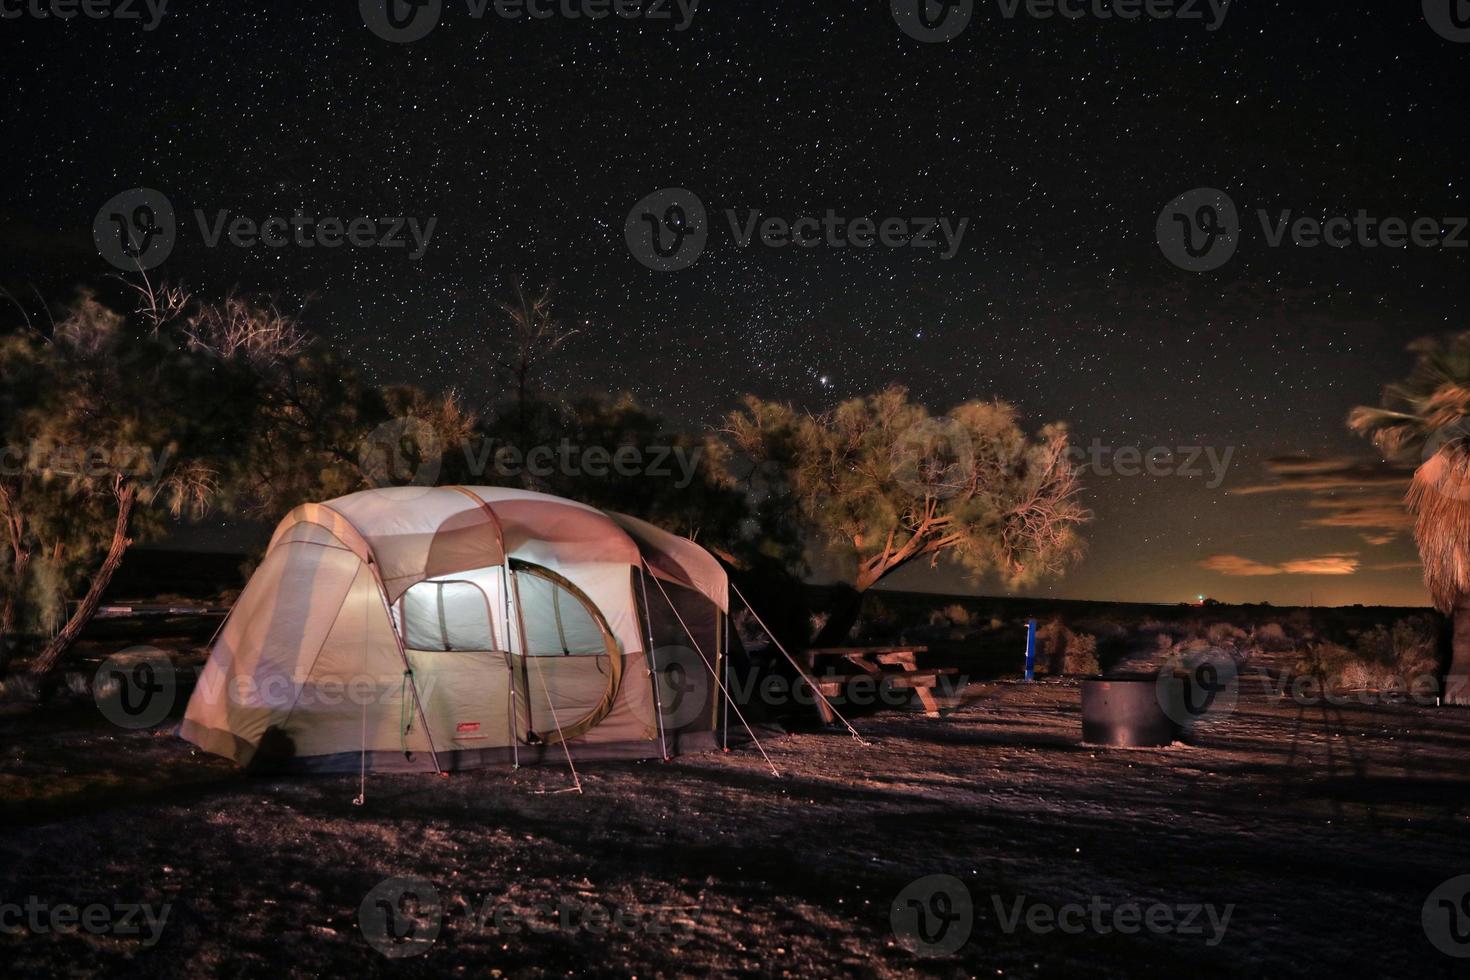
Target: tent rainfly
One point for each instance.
(440, 628)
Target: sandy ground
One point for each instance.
(1324, 843)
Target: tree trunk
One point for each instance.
(1457, 681)
(62, 642)
(10, 612)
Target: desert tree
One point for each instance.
(126, 423)
(110, 420)
(882, 484)
(534, 335)
(1424, 420)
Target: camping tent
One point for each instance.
(451, 627)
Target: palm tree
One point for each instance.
(1425, 419)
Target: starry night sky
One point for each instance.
(1060, 140)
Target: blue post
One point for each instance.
(1030, 649)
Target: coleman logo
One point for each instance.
(467, 726)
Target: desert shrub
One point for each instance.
(1380, 657)
(1358, 675)
(1415, 642)
(19, 687)
(1325, 660)
(957, 614)
(1222, 634)
(1060, 650)
(1375, 646)
(1271, 638)
(1081, 655)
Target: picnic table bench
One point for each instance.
(894, 667)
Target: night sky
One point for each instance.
(1061, 140)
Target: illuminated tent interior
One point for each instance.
(440, 628)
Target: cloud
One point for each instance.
(1360, 493)
(1343, 563)
(1325, 565)
(1308, 473)
(1362, 514)
(1237, 566)
(1393, 566)
(1379, 539)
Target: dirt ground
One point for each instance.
(1324, 843)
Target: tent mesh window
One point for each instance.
(559, 620)
(447, 616)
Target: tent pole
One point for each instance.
(658, 698)
(515, 587)
(725, 665)
(407, 667)
(510, 664)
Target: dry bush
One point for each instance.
(1380, 658)
(1415, 647)
(1326, 660)
(1271, 638)
(1222, 634)
(957, 614)
(1060, 650)
(1374, 646)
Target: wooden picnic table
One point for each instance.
(894, 666)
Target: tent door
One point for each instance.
(463, 673)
